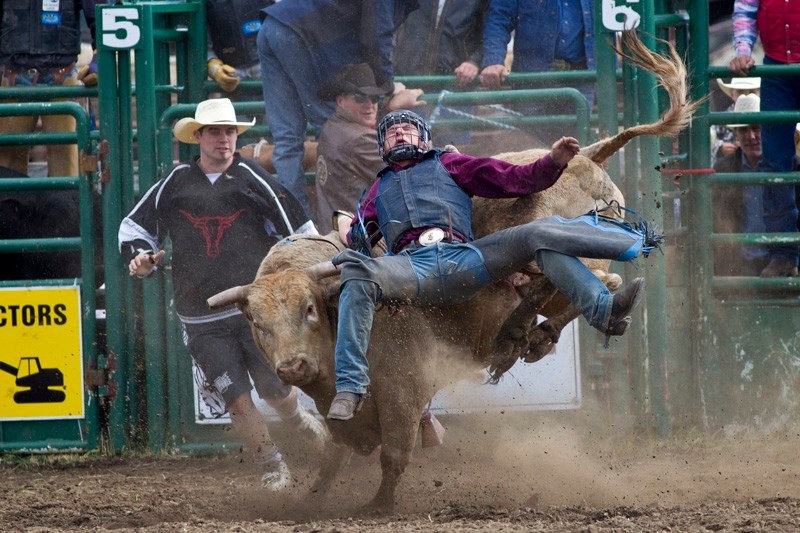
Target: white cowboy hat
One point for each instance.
(747, 103)
(740, 84)
(216, 112)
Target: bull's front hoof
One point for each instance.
(376, 508)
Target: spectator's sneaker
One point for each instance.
(276, 476)
(309, 427)
(779, 268)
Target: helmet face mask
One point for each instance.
(404, 151)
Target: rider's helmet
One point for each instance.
(403, 152)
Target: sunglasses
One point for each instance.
(363, 98)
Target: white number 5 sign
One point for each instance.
(118, 27)
(618, 18)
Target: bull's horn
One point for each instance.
(322, 270)
(229, 296)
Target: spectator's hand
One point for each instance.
(466, 73)
(564, 150)
(143, 264)
(741, 65)
(88, 73)
(725, 149)
(398, 87)
(224, 75)
(406, 99)
(493, 76)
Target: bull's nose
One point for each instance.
(293, 371)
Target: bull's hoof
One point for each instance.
(507, 350)
(376, 508)
(542, 339)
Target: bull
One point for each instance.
(291, 305)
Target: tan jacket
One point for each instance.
(347, 164)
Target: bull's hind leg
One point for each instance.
(513, 339)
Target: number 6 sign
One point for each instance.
(118, 27)
(618, 18)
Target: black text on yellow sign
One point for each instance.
(41, 361)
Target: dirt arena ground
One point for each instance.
(502, 473)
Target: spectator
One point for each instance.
(443, 37)
(348, 157)
(39, 46)
(548, 35)
(774, 21)
(301, 45)
(723, 140)
(738, 209)
(232, 32)
(222, 214)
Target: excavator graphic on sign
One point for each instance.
(36, 380)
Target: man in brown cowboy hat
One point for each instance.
(222, 214)
(348, 160)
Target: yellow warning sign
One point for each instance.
(41, 359)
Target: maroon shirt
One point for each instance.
(478, 176)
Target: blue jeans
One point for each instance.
(445, 273)
(290, 101)
(777, 140)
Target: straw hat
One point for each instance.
(740, 84)
(747, 103)
(213, 112)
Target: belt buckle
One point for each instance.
(430, 236)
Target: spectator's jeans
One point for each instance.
(62, 159)
(777, 140)
(290, 101)
(444, 273)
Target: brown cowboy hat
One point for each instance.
(351, 79)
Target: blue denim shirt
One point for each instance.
(535, 40)
(338, 32)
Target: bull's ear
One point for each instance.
(234, 295)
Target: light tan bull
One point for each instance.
(413, 352)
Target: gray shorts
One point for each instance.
(225, 351)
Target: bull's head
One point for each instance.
(292, 319)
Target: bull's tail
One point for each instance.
(671, 74)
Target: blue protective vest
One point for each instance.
(424, 195)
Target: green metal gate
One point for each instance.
(52, 389)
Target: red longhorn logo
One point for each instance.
(212, 229)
